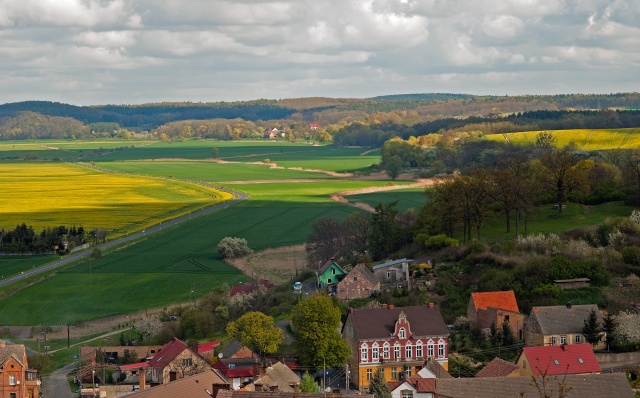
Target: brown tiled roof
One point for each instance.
(437, 369)
(231, 349)
(276, 394)
(422, 385)
(167, 354)
(366, 273)
(196, 386)
(277, 374)
(591, 385)
(502, 300)
(497, 368)
(562, 319)
(376, 323)
(13, 350)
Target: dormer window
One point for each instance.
(402, 334)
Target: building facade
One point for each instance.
(394, 340)
(17, 380)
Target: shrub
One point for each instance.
(631, 255)
(230, 247)
(440, 241)
(540, 243)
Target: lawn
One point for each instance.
(595, 139)
(412, 198)
(52, 194)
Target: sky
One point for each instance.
(87, 52)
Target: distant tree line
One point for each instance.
(23, 239)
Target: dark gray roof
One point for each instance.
(327, 265)
(390, 263)
(365, 272)
(379, 323)
(590, 385)
(562, 319)
(231, 348)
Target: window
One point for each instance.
(407, 351)
(333, 271)
(12, 380)
(364, 353)
(524, 363)
(407, 394)
(408, 372)
(554, 340)
(13, 395)
(388, 275)
(394, 373)
(430, 350)
(385, 352)
(396, 352)
(355, 279)
(563, 339)
(402, 334)
(187, 362)
(556, 362)
(419, 351)
(580, 360)
(441, 349)
(369, 373)
(329, 280)
(578, 339)
(374, 353)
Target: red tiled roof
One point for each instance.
(497, 368)
(502, 300)
(134, 365)
(167, 354)
(562, 359)
(206, 347)
(423, 385)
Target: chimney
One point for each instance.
(215, 387)
(142, 375)
(568, 305)
(432, 305)
(390, 306)
(194, 346)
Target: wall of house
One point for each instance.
(244, 352)
(330, 276)
(397, 393)
(12, 368)
(349, 288)
(524, 367)
(198, 365)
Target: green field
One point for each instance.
(584, 139)
(212, 172)
(412, 198)
(11, 265)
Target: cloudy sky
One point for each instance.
(135, 51)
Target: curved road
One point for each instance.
(237, 197)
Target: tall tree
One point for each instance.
(258, 332)
(631, 177)
(592, 328)
(315, 322)
(383, 238)
(378, 386)
(559, 176)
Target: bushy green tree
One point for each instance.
(258, 332)
(230, 247)
(307, 384)
(315, 322)
(379, 387)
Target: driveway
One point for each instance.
(56, 385)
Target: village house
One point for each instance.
(276, 377)
(498, 367)
(17, 380)
(271, 133)
(248, 288)
(206, 384)
(238, 364)
(558, 360)
(394, 340)
(560, 324)
(487, 308)
(329, 275)
(358, 283)
(394, 272)
(175, 360)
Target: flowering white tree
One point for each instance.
(628, 328)
(148, 326)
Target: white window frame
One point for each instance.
(441, 349)
(375, 353)
(364, 353)
(369, 374)
(408, 352)
(386, 351)
(578, 339)
(430, 350)
(402, 334)
(12, 380)
(396, 351)
(419, 350)
(563, 339)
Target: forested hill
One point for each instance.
(149, 116)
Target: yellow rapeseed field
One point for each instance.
(53, 194)
(584, 139)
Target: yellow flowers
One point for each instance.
(52, 194)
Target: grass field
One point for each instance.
(212, 172)
(412, 198)
(547, 220)
(588, 140)
(51, 194)
(11, 265)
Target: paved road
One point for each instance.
(237, 197)
(56, 385)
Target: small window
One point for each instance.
(388, 275)
(580, 360)
(396, 352)
(12, 380)
(563, 339)
(187, 362)
(355, 279)
(364, 353)
(402, 333)
(333, 271)
(394, 373)
(407, 351)
(556, 362)
(369, 374)
(13, 395)
(578, 339)
(385, 352)
(524, 363)
(419, 351)
(407, 394)
(554, 340)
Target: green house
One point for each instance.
(329, 275)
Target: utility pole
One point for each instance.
(68, 337)
(324, 376)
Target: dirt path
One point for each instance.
(340, 196)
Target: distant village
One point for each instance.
(394, 351)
